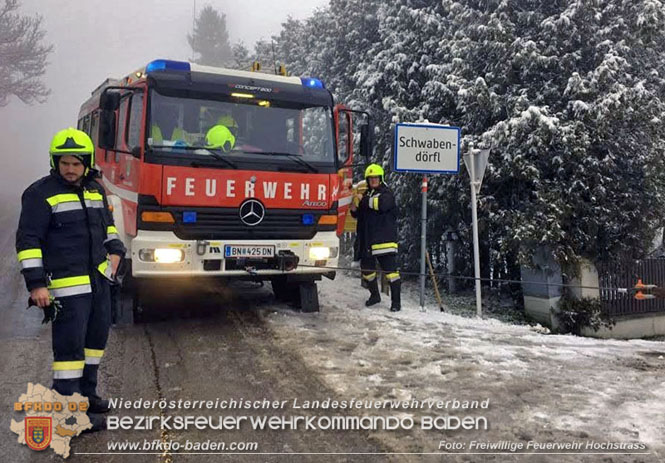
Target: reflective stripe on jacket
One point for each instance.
(65, 232)
(377, 212)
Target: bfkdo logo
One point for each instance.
(38, 432)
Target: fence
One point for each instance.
(616, 304)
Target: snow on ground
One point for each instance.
(541, 387)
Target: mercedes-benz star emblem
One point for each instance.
(252, 212)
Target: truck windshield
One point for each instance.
(248, 130)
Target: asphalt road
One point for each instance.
(201, 345)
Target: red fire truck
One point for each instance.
(268, 206)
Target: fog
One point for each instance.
(97, 39)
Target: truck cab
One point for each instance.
(222, 173)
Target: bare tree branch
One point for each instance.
(22, 56)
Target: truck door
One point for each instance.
(344, 137)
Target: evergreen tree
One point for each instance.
(266, 54)
(210, 40)
(569, 94)
(241, 56)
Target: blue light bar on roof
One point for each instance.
(167, 65)
(311, 82)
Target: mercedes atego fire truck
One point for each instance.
(269, 204)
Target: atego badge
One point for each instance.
(38, 432)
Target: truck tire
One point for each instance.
(309, 297)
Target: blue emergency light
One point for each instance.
(311, 82)
(189, 217)
(167, 65)
(308, 219)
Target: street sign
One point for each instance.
(476, 163)
(479, 161)
(427, 148)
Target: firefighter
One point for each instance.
(377, 212)
(69, 251)
(165, 122)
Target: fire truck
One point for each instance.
(269, 205)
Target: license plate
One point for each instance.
(247, 251)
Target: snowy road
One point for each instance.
(541, 388)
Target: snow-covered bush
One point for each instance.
(573, 315)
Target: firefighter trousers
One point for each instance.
(388, 263)
(80, 332)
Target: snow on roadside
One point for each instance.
(541, 387)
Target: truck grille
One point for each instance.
(217, 224)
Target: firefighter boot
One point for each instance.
(374, 295)
(67, 386)
(98, 422)
(89, 389)
(395, 303)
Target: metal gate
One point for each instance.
(610, 277)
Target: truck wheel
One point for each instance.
(309, 297)
(125, 302)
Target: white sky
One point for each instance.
(96, 39)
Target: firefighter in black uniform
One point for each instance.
(69, 251)
(377, 215)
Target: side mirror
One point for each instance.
(366, 148)
(109, 100)
(106, 136)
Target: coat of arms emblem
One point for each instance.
(38, 432)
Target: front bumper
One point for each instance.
(206, 258)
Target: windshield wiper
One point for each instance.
(215, 153)
(293, 157)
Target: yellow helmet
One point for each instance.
(220, 137)
(73, 142)
(374, 170)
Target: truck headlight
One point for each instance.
(319, 253)
(162, 255)
(169, 256)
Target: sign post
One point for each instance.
(476, 163)
(427, 149)
(423, 242)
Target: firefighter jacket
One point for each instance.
(377, 215)
(65, 234)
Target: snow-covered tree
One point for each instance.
(22, 55)
(569, 94)
(241, 56)
(210, 40)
